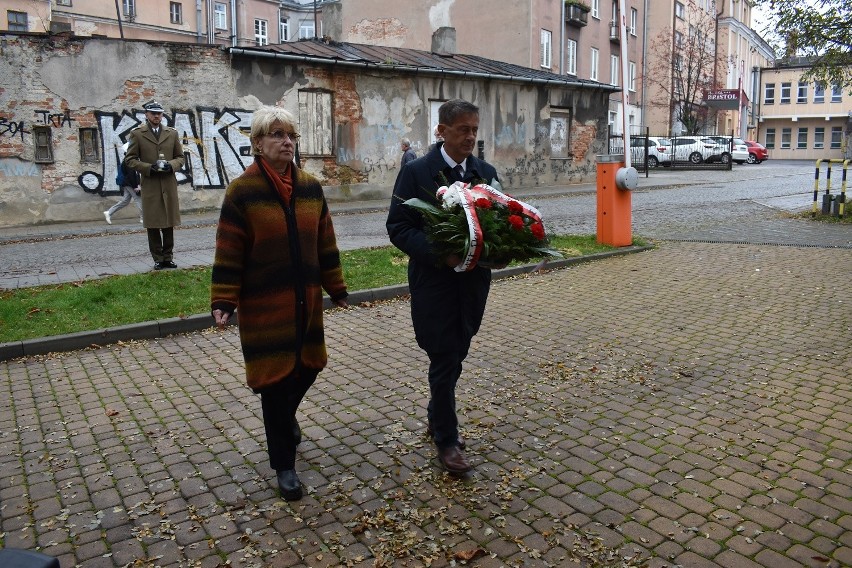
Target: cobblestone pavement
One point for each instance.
(688, 405)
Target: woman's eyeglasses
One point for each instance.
(281, 135)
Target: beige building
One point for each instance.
(225, 22)
(799, 119)
(741, 54)
(733, 53)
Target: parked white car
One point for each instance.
(729, 149)
(694, 149)
(659, 150)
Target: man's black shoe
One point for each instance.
(297, 432)
(168, 264)
(159, 266)
(454, 460)
(289, 484)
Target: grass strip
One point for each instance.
(58, 309)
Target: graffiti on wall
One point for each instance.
(14, 167)
(216, 146)
(55, 119)
(11, 128)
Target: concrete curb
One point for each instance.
(198, 322)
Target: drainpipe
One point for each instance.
(236, 34)
(198, 20)
(644, 59)
(562, 40)
(118, 17)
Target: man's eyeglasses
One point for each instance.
(281, 135)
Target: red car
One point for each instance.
(756, 152)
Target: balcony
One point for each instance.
(614, 32)
(577, 15)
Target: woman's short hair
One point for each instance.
(264, 118)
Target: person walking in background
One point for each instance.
(275, 253)
(407, 153)
(446, 306)
(155, 152)
(128, 183)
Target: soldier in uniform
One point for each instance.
(156, 153)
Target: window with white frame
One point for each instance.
(785, 93)
(596, 9)
(836, 93)
(284, 29)
(545, 48)
(819, 137)
(802, 138)
(571, 56)
(802, 93)
(769, 141)
(634, 18)
(786, 138)
(631, 79)
(176, 12)
(16, 21)
(129, 8)
(836, 137)
(261, 32)
(220, 16)
(678, 39)
(819, 92)
(63, 2)
(769, 94)
(306, 29)
(613, 70)
(680, 11)
(593, 72)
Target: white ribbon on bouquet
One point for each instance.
(466, 194)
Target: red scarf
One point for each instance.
(283, 181)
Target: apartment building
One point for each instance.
(715, 36)
(799, 119)
(741, 54)
(570, 37)
(224, 22)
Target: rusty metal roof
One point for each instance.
(398, 59)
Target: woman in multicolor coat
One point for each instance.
(275, 253)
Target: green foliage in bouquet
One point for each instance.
(508, 234)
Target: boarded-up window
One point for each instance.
(560, 135)
(42, 138)
(89, 145)
(315, 124)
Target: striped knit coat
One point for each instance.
(271, 264)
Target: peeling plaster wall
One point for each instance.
(67, 85)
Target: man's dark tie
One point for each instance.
(459, 171)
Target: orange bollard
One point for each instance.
(614, 204)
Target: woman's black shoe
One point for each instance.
(289, 484)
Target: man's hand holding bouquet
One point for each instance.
(483, 226)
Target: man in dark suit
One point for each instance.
(155, 152)
(446, 306)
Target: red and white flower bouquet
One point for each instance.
(483, 226)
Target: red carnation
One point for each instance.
(483, 203)
(515, 207)
(537, 230)
(516, 222)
